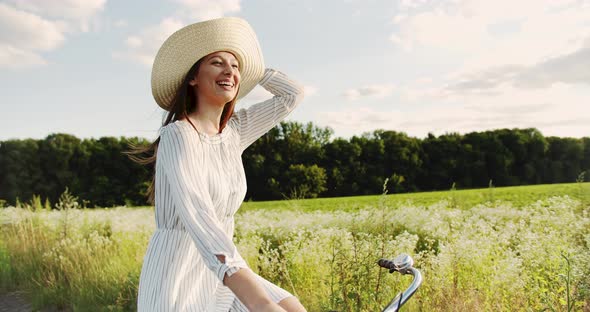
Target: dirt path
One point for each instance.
(14, 302)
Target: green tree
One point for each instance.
(267, 160)
(56, 153)
(343, 164)
(305, 181)
(586, 158)
(440, 166)
(564, 159)
(401, 159)
(372, 174)
(20, 174)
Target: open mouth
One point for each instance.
(225, 84)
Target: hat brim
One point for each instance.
(189, 44)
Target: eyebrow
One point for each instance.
(231, 60)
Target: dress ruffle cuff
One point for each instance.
(230, 267)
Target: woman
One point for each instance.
(192, 263)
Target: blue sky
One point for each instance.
(83, 66)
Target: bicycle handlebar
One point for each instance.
(403, 264)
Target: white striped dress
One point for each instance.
(199, 185)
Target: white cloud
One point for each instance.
(258, 94)
(559, 109)
(440, 29)
(495, 33)
(411, 4)
(519, 64)
(24, 35)
(207, 9)
(11, 57)
(133, 42)
(120, 23)
(78, 13)
(144, 46)
(571, 68)
(34, 26)
(310, 90)
(28, 31)
(374, 91)
(359, 119)
(69, 9)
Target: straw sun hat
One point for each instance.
(186, 46)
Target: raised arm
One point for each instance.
(179, 163)
(256, 120)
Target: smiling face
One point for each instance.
(217, 79)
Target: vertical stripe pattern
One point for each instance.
(200, 184)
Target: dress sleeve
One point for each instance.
(256, 120)
(182, 166)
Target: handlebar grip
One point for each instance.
(387, 264)
(402, 263)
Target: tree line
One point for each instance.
(296, 160)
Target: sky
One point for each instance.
(416, 66)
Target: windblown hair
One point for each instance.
(184, 103)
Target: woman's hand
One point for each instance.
(244, 285)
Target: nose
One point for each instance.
(228, 70)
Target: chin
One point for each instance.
(228, 98)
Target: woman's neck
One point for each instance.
(206, 119)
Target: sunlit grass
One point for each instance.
(517, 196)
(499, 249)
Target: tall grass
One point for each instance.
(491, 257)
(91, 266)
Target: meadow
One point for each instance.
(494, 249)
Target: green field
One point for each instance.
(494, 249)
(517, 196)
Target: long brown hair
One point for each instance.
(184, 103)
